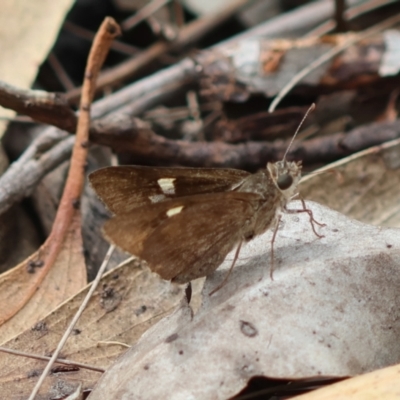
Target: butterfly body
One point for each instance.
(184, 221)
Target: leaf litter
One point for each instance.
(129, 300)
(65, 278)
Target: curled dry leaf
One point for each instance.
(331, 310)
(130, 299)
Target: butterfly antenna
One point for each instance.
(312, 107)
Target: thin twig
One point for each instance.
(49, 108)
(75, 180)
(177, 13)
(349, 14)
(341, 23)
(58, 360)
(145, 12)
(71, 326)
(88, 35)
(60, 72)
(21, 178)
(153, 149)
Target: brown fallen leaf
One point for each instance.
(68, 218)
(377, 385)
(27, 32)
(66, 278)
(128, 302)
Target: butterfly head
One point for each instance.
(286, 176)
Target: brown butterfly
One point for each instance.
(184, 221)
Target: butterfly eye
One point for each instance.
(284, 181)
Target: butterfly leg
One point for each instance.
(271, 271)
(230, 269)
(310, 214)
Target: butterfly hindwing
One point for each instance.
(176, 237)
(124, 188)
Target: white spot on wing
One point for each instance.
(174, 211)
(157, 198)
(167, 185)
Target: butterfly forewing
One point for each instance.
(125, 188)
(160, 233)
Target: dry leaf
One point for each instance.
(27, 32)
(66, 277)
(130, 299)
(332, 310)
(383, 384)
